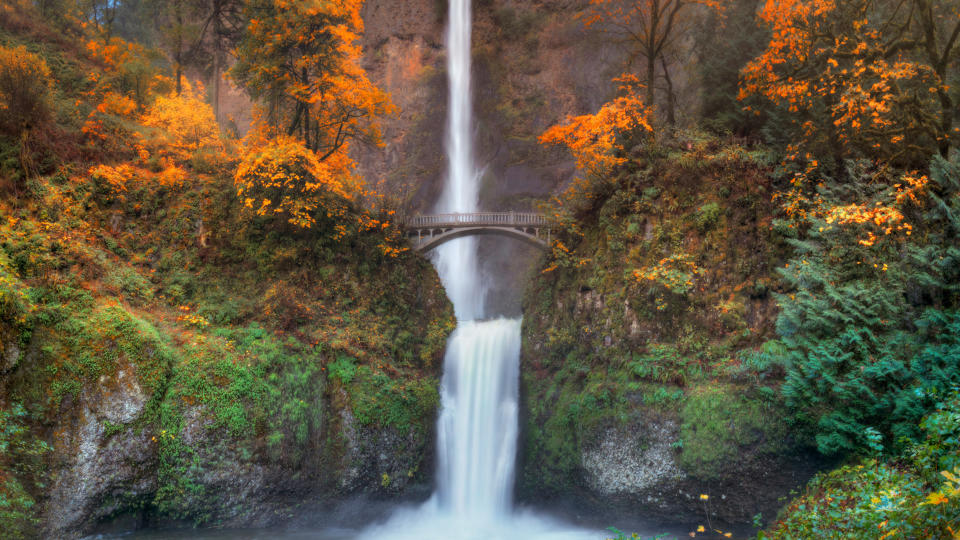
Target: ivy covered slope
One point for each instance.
(648, 341)
(167, 352)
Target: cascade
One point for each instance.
(477, 426)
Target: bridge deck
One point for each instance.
(429, 231)
(478, 219)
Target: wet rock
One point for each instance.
(10, 357)
(100, 463)
(632, 461)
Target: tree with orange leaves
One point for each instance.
(25, 87)
(862, 77)
(301, 60)
(283, 178)
(650, 29)
(599, 141)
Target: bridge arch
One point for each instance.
(429, 231)
(428, 243)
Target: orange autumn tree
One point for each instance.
(25, 88)
(301, 61)
(183, 124)
(283, 178)
(599, 142)
(650, 29)
(862, 78)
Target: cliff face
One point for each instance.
(142, 417)
(534, 64)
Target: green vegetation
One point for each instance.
(21, 472)
(655, 306)
(914, 496)
(719, 421)
(134, 288)
(871, 322)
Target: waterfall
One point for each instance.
(477, 429)
(477, 426)
(456, 261)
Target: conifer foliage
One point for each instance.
(872, 323)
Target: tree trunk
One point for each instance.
(216, 86)
(671, 97)
(217, 55)
(651, 77)
(178, 55)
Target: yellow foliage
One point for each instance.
(25, 84)
(182, 124)
(282, 177)
(304, 59)
(117, 104)
(114, 178)
(171, 176)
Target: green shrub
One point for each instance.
(379, 400)
(20, 468)
(872, 329)
(342, 369)
(867, 501)
(707, 217)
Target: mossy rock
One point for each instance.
(719, 424)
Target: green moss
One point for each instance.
(21, 472)
(718, 421)
(384, 401)
(653, 306)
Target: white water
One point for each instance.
(456, 261)
(477, 428)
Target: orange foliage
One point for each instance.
(183, 124)
(282, 177)
(126, 82)
(25, 84)
(303, 59)
(858, 76)
(114, 178)
(597, 140)
(882, 217)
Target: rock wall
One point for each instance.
(134, 420)
(534, 65)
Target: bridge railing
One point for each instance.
(489, 219)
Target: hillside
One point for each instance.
(649, 345)
(161, 348)
(735, 311)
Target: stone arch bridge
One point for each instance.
(429, 231)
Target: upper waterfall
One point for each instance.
(457, 261)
